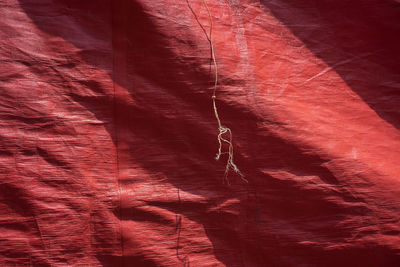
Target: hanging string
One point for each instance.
(223, 130)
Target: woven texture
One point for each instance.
(109, 135)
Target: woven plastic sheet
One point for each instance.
(108, 135)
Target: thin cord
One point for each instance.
(222, 129)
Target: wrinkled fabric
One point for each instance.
(108, 136)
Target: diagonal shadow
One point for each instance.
(359, 40)
(180, 146)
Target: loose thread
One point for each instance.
(185, 259)
(222, 129)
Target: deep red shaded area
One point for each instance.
(108, 135)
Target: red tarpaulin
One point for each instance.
(108, 134)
